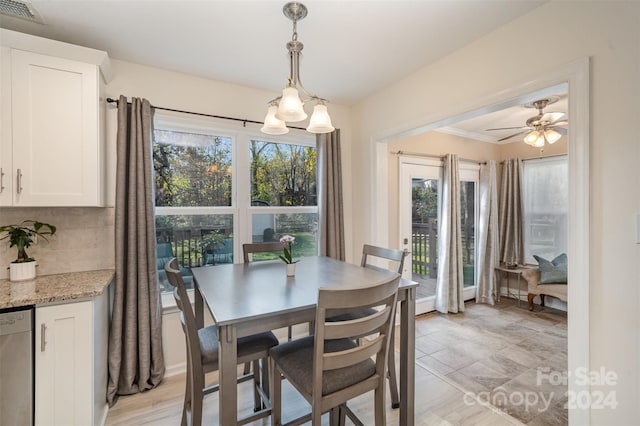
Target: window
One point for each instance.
(468, 228)
(217, 187)
(545, 192)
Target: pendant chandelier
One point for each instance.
(289, 107)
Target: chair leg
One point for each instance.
(275, 385)
(343, 415)
(186, 407)
(257, 401)
(197, 385)
(380, 415)
(530, 298)
(335, 416)
(391, 373)
(265, 379)
(316, 417)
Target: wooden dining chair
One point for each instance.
(249, 248)
(394, 255)
(330, 368)
(202, 356)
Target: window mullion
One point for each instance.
(243, 193)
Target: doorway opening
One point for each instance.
(576, 76)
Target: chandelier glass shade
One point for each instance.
(289, 107)
(272, 124)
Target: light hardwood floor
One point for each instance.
(458, 358)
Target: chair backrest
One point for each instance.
(383, 253)
(164, 253)
(376, 324)
(251, 248)
(187, 317)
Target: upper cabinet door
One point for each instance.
(57, 145)
(6, 164)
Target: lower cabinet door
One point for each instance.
(63, 364)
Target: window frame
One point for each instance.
(241, 209)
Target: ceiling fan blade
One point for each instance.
(511, 136)
(560, 123)
(552, 117)
(507, 128)
(560, 130)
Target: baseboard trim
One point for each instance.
(173, 370)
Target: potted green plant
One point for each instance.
(22, 236)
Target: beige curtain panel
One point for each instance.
(135, 339)
(511, 213)
(449, 284)
(487, 235)
(330, 195)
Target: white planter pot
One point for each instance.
(291, 269)
(22, 271)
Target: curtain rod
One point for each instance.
(545, 156)
(540, 157)
(244, 121)
(439, 157)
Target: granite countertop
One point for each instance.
(54, 288)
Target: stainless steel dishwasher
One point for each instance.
(16, 366)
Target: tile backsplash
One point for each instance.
(84, 239)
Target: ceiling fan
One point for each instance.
(541, 128)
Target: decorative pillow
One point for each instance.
(552, 272)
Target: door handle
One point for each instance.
(19, 179)
(43, 339)
(1, 180)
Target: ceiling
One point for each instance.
(352, 48)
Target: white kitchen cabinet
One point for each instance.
(52, 148)
(71, 346)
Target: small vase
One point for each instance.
(291, 269)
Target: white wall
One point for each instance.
(609, 33)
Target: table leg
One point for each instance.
(519, 286)
(228, 360)
(199, 306)
(407, 357)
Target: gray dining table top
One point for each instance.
(240, 292)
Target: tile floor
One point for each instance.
(501, 354)
(488, 354)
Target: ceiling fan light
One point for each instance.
(552, 136)
(320, 121)
(532, 137)
(290, 106)
(273, 125)
(539, 143)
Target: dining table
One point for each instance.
(249, 298)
